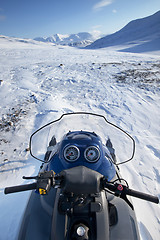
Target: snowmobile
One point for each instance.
(79, 193)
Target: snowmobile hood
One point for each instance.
(82, 148)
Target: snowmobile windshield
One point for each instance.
(49, 137)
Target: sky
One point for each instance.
(43, 18)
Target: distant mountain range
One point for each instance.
(141, 35)
(79, 39)
(138, 36)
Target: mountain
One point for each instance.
(82, 38)
(141, 35)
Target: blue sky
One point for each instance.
(33, 18)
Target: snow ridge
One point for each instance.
(140, 35)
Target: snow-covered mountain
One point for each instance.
(141, 35)
(79, 39)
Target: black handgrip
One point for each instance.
(140, 195)
(20, 188)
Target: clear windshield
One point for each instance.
(122, 142)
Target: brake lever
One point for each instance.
(41, 175)
(28, 178)
(44, 181)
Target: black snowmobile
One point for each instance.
(79, 193)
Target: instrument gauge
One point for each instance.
(92, 154)
(71, 153)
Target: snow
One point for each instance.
(41, 81)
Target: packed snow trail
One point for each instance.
(42, 81)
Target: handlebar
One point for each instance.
(20, 188)
(120, 189)
(143, 196)
(47, 179)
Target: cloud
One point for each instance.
(102, 4)
(114, 11)
(96, 26)
(2, 18)
(96, 32)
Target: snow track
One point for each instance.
(42, 81)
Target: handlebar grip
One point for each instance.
(125, 190)
(20, 188)
(143, 196)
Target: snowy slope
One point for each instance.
(79, 39)
(141, 35)
(41, 81)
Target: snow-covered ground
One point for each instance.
(39, 82)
